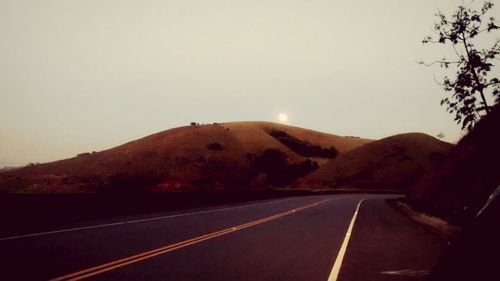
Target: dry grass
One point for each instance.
(438, 225)
(247, 130)
(395, 162)
(175, 156)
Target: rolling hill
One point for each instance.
(208, 157)
(395, 162)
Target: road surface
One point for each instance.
(299, 238)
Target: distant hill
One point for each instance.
(395, 162)
(8, 168)
(211, 157)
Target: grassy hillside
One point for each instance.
(395, 162)
(216, 156)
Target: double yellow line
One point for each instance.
(82, 274)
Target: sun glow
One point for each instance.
(283, 117)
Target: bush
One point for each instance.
(124, 183)
(215, 146)
(302, 147)
(274, 164)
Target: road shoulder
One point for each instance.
(387, 245)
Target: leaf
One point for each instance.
(491, 26)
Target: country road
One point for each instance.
(298, 238)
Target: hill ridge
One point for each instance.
(174, 159)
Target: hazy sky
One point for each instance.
(87, 75)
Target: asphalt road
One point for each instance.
(297, 238)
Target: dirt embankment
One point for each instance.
(459, 185)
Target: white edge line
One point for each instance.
(136, 221)
(133, 221)
(340, 256)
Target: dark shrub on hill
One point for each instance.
(302, 147)
(204, 183)
(275, 165)
(215, 146)
(125, 184)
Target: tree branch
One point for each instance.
(456, 52)
(438, 61)
(435, 80)
(492, 83)
(480, 87)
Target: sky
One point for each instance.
(79, 76)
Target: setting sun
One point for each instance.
(283, 117)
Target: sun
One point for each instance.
(283, 117)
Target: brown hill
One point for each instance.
(395, 162)
(215, 156)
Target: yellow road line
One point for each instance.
(172, 247)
